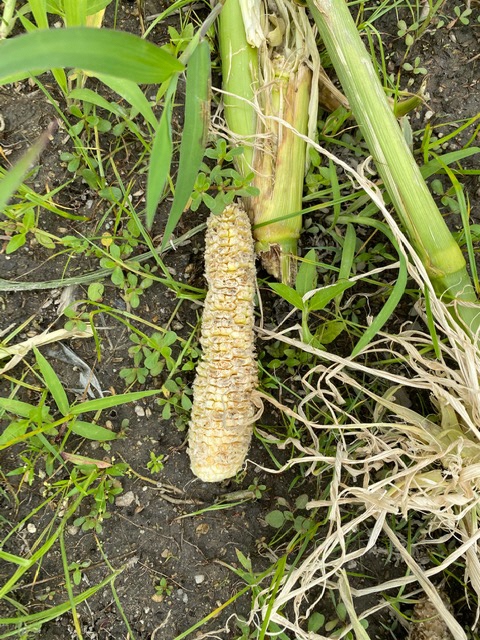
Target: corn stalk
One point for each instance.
(440, 254)
(270, 69)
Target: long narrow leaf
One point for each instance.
(132, 93)
(115, 53)
(387, 309)
(16, 407)
(111, 401)
(161, 159)
(75, 12)
(52, 382)
(92, 431)
(13, 178)
(194, 138)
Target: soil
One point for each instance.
(158, 527)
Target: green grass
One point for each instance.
(331, 351)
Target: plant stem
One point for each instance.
(440, 254)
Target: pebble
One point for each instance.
(31, 528)
(126, 499)
(140, 411)
(199, 578)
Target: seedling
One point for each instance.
(155, 464)
(162, 589)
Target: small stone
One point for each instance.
(140, 411)
(126, 499)
(31, 528)
(199, 578)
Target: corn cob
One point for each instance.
(223, 412)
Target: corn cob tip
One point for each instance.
(222, 417)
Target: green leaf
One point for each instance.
(87, 95)
(307, 273)
(95, 291)
(160, 161)
(288, 294)
(244, 561)
(328, 331)
(195, 130)
(52, 382)
(436, 165)
(92, 431)
(316, 621)
(13, 431)
(323, 296)
(111, 401)
(9, 557)
(15, 243)
(348, 254)
(16, 407)
(275, 518)
(132, 93)
(387, 309)
(13, 178)
(115, 53)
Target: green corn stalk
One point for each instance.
(435, 245)
(270, 69)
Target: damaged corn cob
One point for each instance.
(223, 412)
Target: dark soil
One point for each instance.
(147, 531)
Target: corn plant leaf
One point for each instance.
(92, 431)
(93, 6)
(110, 401)
(115, 53)
(75, 12)
(52, 382)
(194, 137)
(39, 10)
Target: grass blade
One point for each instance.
(194, 138)
(92, 431)
(387, 309)
(115, 53)
(132, 93)
(53, 383)
(13, 178)
(160, 159)
(16, 407)
(111, 401)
